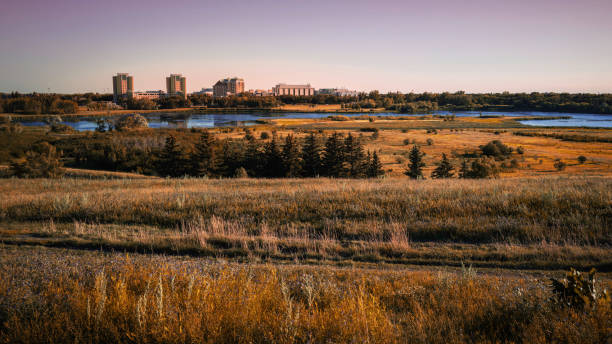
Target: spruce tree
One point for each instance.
(375, 167)
(333, 157)
(464, 171)
(355, 157)
(444, 169)
(253, 158)
(172, 162)
(415, 168)
(273, 160)
(203, 160)
(311, 157)
(292, 164)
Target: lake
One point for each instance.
(208, 120)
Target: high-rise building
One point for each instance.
(123, 86)
(228, 86)
(293, 90)
(176, 85)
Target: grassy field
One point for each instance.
(537, 223)
(59, 296)
(111, 257)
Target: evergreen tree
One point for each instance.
(333, 157)
(444, 169)
(204, 159)
(311, 157)
(253, 158)
(273, 160)
(355, 157)
(171, 161)
(464, 171)
(292, 165)
(375, 168)
(230, 159)
(415, 168)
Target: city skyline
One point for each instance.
(70, 46)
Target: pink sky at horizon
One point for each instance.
(68, 46)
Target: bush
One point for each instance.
(406, 142)
(375, 135)
(338, 118)
(496, 149)
(560, 165)
(520, 150)
(582, 159)
(578, 290)
(241, 173)
(264, 135)
(369, 130)
(129, 122)
(41, 162)
(61, 128)
(429, 142)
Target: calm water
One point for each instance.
(178, 120)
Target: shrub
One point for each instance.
(560, 165)
(369, 129)
(582, 159)
(429, 142)
(406, 142)
(130, 122)
(375, 135)
(241, 173)
(41, 162)
(338, 118)
(496, 149)
(61, 128)
(578, 290)
(264, 135)
(520, 150)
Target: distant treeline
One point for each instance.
(400, 102)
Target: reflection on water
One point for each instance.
(179, 120)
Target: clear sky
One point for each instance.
(390, 45)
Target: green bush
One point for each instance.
(578, 290)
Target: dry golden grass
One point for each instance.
(60, 296)
(538, 223)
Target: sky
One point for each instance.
(69, 46)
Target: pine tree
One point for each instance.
(464, 171)
(292, 164)
(273, 160)
(415, 168)
(253, 158)
(444, 169)
(171, 162)
(311, 157)
(355, 157)
(333, 157)
(204, 159)
(375, 167)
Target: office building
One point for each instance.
(228, 87)
(123, 87)
(176, 85)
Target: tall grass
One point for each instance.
(552, 210)
(59, 296)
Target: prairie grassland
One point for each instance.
(529, 223)
(466, 135)
(59, 296)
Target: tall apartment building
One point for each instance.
(176, 85)
(228, 86)
(123, 86)
(293, 90)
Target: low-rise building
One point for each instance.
(340, 92)
(205, 91)
(148, 94)
(293, 90)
